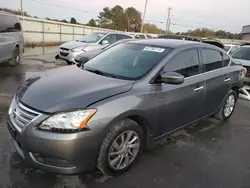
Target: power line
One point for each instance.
(62, 6)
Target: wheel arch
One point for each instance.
(136, 116)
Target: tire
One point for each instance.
(224, 114)
(125, 127)
(69, 63)
(15, 60)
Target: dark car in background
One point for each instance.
(242, 55)
(125, 99)
(11, 39)
(180, 37)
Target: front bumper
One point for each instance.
(56, 152)
(68, 56)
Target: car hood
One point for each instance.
(67, 88)
(243, 62)
(74, 44)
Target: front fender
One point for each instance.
(120, 107)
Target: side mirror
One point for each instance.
(172, 78)
(105, 42)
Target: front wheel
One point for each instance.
(228, 106)
(69, 62)
(15, 60)
(121, 147)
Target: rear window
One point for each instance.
(9, 24)
(242, 53)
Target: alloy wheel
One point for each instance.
(124, 150)
(16, 56)
(229, 106)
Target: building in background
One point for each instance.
(246, 32)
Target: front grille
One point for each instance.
(21, 115)
(53, 161)
(64, 49)
(64, 53)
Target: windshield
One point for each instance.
(131, 61)
(227, 48)
(92, 38)
(242, 53)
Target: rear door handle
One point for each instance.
(227, 79)
(199, 88)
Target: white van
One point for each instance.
(11, 38)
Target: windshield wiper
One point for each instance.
(99, 72)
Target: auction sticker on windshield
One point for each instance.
(153, 49)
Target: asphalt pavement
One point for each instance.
(208, 154)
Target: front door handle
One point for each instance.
(199, 88)
(227, 79)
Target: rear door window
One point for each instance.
(185, 63)
(212, 60)
(120, 37)
(142, 37)
(149, 37)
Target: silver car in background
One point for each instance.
(11, 38)
(94, 41)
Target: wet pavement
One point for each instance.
(208, 154)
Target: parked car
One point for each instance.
(242, 55)
(93, 41)
(180, 37)
(11, 39)
(84, 57)
(142, 36)
(214, 42)
(124, 99)
(230, 48)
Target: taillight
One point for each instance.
(244, 70)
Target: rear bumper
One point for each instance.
(55, 152)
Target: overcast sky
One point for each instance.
(186, 14)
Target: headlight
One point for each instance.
(78, 49)
(68, 121)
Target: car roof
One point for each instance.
(171, 43)
(6, 13)
(245, 46)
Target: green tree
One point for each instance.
(91, 23)
(64, 21)
(105, 17)
(73, 21)
(119, 18)
(134, 19)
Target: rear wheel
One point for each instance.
(121, 147)
(15, 60)
(228, 106)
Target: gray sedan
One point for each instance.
(125, 99)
